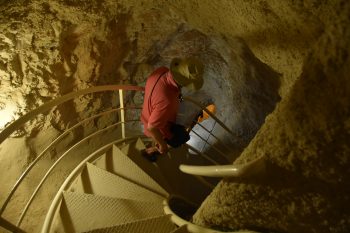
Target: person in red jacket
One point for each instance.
(161, 103)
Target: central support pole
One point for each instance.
(122, 111)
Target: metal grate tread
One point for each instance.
(115, 161)
(88, 212)
(132, 150)
(95, 180)
(160, 224)
(182, 184)
(166, 172)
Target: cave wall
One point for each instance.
(305, 143)
(50, 48)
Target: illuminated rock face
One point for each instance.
(51, 48)
(254, 52)
(306, 145)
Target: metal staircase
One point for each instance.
(114, 194)
(113, 188)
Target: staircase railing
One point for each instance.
(255, 166)
(48, 106)
(230, 170)
(77, 170)
(45, 108)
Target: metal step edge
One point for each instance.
(94, 180)
(117, 162)
(133, 151)
(85, 212)
(160, 224)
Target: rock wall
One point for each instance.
(252, 49)
(50, 48)
(305, 142)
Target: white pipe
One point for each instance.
(122, 112)
(240, 170)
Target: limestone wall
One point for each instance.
(305, 142)
(253, 50)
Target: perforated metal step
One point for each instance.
(183, 184)
(132, 150)
(94, 180)
(160, 224)
(166, 171)
(115, 161)
(89, 212)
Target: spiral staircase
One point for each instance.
(121, 191)
(114, 188)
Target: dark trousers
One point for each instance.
(180, 136)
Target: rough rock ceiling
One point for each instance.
(49, 48)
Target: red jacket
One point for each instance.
(161, 102)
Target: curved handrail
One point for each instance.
(209, 132)
(54, 204)
(47, 106)
(213, 146)
(29, 168)
(55, 164)
(241, 170)
(191, 227)
(44, 108)
(215, 118)
(19, 122)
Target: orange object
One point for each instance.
(211, 108)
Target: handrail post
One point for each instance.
(122, 111)
(9, 226)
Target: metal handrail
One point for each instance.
(211, 134)
(58, 160)
(44, 108)
(47, 106)
(256, 166)
(216, 119)
(54, 205)
(215, 147)
(230, 170)
(29, 168)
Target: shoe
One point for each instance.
(152, 157)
